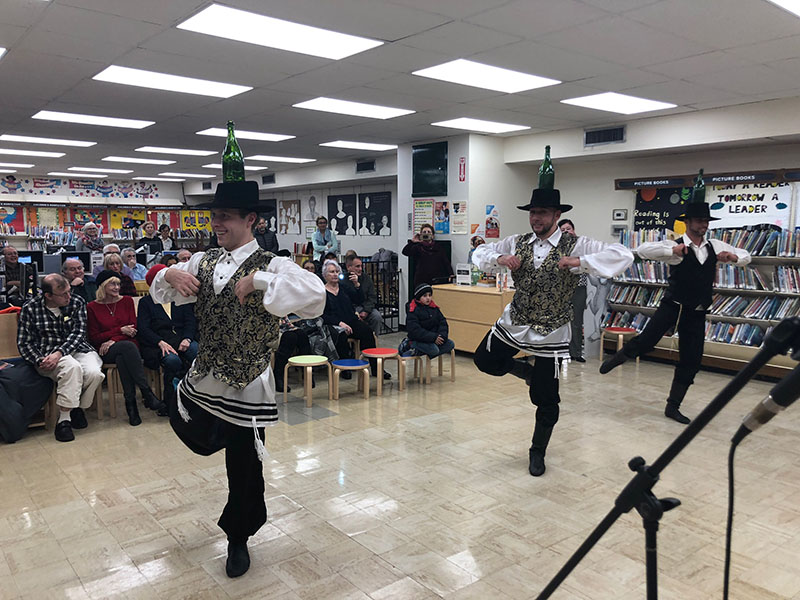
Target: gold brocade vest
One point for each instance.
(235, 339)
(543, 300)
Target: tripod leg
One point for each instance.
(651, 557)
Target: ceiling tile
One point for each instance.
(430, 88)
(95, 25)
(619, 6)
(152, 11)
(42, 75)
(763, 52)
(755, 79)
(456, 9)
(58, 44)
(621, 80)
(700, 64)
(459, 39)
(680, 92)
(528, 19)
(399, 58)
(332, 80)
(10, 35)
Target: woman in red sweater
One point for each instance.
(112, 330)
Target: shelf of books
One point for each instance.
(747, 301)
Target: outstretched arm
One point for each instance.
(599, 258)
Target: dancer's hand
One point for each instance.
(726, 257)
(184, 282)
(509, 260)
(680, 250)
(568, 262)
(244, 287)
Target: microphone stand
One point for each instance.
(637, 494)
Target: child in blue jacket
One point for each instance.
(426, 325)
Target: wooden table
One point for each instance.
(470, 311)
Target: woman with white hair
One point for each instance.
(90, 240)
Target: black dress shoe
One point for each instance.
(238, 559)
(64, 431)
(78, 418)
(578, 358)
(673, 413)
(347, 375)
(536, 465)
(151, 401)
(612, 362)
(386, 375)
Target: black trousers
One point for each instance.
(361, 332)
(578, 306)
(125, 354)
(543, 390)
(691, 337)
(293, 341)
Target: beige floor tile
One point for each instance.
(404, 589)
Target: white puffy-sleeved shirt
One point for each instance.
(663, 251)
(287, 289)
(597, 258)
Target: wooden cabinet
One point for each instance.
(470, 311)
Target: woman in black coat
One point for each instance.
(427, 328)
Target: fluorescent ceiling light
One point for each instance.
(170, 83)
(357, 109)
(2, 51)
(285, 159)
(480, 125)
(138, 161)
(8, 170)
(618, 103)
(246, 167)
(359, 145)
(17, 165)
(475, 74)
(173, 179)
(253, 28)
(27, 139)
(51, 115)
(183, 151)
(195, 175)
(31, 153)
(90, 175)
(793, 6)
(99, 170)
(241, 134)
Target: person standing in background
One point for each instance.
(324, 239)
(266, 238)
(432, 265)
(165, 236)
(578, 305)
(149, 239)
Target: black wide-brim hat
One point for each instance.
(235, 194)
(543, 198)
(697, 210)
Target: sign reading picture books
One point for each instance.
(375, 213)
(750, 204)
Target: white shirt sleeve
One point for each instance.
(485, 256)
(163, 293)
(659, 251)
(290, 289)
(601, 259)
(743, 255)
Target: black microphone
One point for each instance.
(785, 392)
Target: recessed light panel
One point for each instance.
(31, 153)
(17, 165)
(359, 146)
(99, 170)
(88, 175)
(618, 103)
(172, 179)
(170, 83)
(2, 51)
(793, 6)
(8, 170)
(246, 167)
(182, 151)
(357, 109)
(253, 28)
(285, 159)
(27, 139)
(51, 115)
(480, 125)
(192, 175)
(138, 161)
(241, 134)
(475, 74)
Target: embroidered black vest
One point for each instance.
(235, 339)
(691, 283)
(543, 299)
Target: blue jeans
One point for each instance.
(432, 349)
(172, 363)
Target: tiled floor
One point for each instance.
(420, 494)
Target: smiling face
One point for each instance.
(543, 220)
(231, 228)
(73, 269)
(149, 229)
(11, 254)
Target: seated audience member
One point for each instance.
(81, 284)
(350, 254)
(129, 259)
(90, 240)
(165, 235)
(340, 315)
(150, 239)
(168, 260)
(293, 341)
(265, 238)
(427, 328)
(112, 331)
(184, 255)
(111, 249)
(357, 278)
(21, 285)
(167, 336)
(52, 336)
(113, 262)
(309, 265)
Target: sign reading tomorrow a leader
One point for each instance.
(750, 204)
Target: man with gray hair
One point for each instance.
(52, 337)
(112, 249)
(81, 284)
(184, 255)
(129, 260)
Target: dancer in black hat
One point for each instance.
(546, 266)
(693, 265)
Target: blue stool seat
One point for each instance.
(349, 362)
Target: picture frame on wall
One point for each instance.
(619, 214)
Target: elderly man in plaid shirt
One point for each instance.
(52, 337)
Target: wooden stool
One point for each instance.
(380, 354)
(621, 333)
(401, 369)
(308, 361)
(351, 364)
(112, 379)
(452, 366)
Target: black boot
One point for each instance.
(238, 559)
(541, 437)
(676, 395)
(151, 401)
(523, 370)
(612, 362)
(133, 411)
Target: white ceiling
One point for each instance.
(698, 54)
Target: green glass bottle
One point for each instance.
(232, 158)
(699, 190)
(547, 174)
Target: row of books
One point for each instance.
(742, 334)
(6, 229)
(731, 276)
(756, 239)
(762, 307)
(646, 271)
(789, 244)
(786, 279)
(633, 239)
(41, 231)
(636, 296)
(61, 238)
(625, 318)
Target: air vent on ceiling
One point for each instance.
(268, 178)
(608, 135)
(365, 166)
(206, 185)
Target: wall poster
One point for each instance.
(311, 206)
(441, 217)
(492, 221)
(268, 210)
(375, 213)
(750, 204)
(126, 218)
(289, 217)
(342, 214)
(423, 213)
(657, 208)
(459, 218)
(195, 220)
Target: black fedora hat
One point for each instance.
(697, 210)
(235, 194)
(544, 198)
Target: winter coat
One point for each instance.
(425, 323)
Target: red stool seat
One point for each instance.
(620, 330)
(379, 352)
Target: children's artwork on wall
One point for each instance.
(9, 185)
(289, 217)
(49, 216)
(268, 210)
(196, 220)
(375, 213)
(12, 217)
(127, 218)
(342, 214)
(441, 217)
(98, 216)
(312, 207)
(172, 218)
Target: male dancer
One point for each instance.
(693, 266)
(241, 291)
(546, 266)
